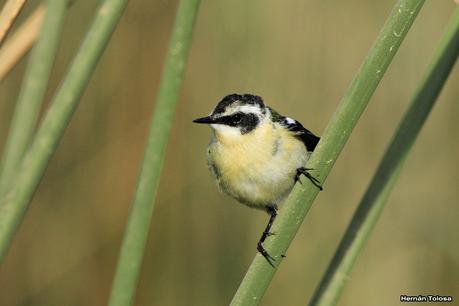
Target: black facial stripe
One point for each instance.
(246, 122)
(246, 99)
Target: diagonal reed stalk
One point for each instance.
(21, 41)
(9, 12)
(14, 203)
(372, 203)
(136, 232)
(260, 273)
(33, 90)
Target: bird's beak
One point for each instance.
(206, 120)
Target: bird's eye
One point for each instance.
(237, 118)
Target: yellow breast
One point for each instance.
(257, 168)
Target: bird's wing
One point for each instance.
(307, 137)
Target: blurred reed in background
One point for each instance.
(298, 55)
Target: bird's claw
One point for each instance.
(304, 171)
(265, 254)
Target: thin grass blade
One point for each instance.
(33, 90)
(14, 203)
(9, 12)
(20, 41)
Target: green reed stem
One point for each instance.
(357, 96)
(372, 203)
(136, 232)
(14, 203)
(33, 90)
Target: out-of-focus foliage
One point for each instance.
(298, 55)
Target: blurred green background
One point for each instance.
(299, 56)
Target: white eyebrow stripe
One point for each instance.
(249, 109)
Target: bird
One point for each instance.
(257, 155)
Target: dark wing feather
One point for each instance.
(306, 136)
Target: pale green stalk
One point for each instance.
(334, 138)
(14, 202)
(136, 232)
(372, 203)
(33, 90)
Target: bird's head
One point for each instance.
(236, 115)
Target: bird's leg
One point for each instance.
(272, 211)
(304, 171)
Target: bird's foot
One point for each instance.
(265, 254)
(304, 171)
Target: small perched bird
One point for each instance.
(256, 155)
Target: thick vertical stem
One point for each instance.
(136, 232)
